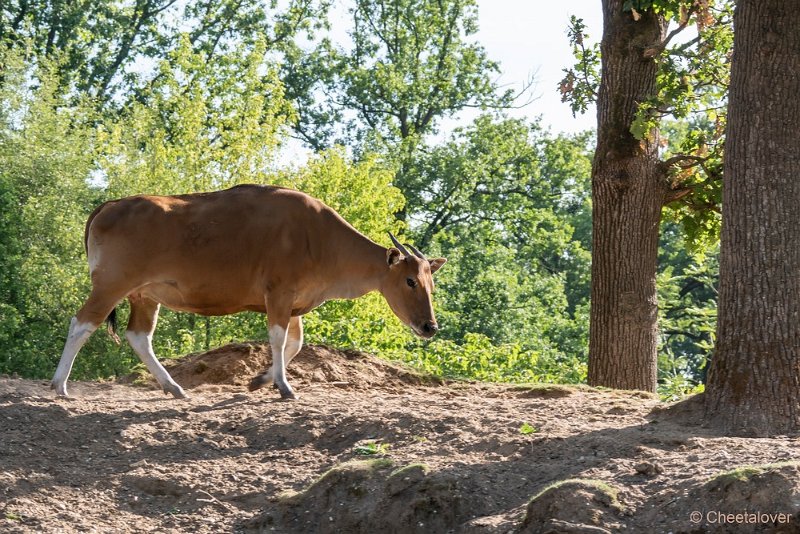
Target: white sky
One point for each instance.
(529, 37)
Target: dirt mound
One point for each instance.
(688, 412)
(233, 364)
(576, 506)
(237, 363)
(364, 497)
(748, 499)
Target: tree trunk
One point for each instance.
(754, 379)
(628, 191)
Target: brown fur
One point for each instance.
(225, 252)
(259, 248)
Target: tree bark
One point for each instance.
(628, 191)
(754, 379)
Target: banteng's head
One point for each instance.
(408, 287)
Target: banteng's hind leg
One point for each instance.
(97, 308)
(142, 324)
(294, 342)
(79, 332)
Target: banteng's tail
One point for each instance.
(111, 321)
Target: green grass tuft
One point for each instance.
(745, 472)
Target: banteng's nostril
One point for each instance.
(430, 328)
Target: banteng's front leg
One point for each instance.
(278, 313)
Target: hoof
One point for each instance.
(288, 395)
(258, 382)
(61, 390)
(175, 390)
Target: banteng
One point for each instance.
(267, 249)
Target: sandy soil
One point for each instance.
(372, 447)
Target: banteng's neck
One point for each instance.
(362, 267)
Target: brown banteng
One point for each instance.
(259, 248)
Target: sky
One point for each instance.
(529, 37)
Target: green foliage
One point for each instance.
(13, 516)
(698, 213)
(526, 429)
(411, 62)
(693, 81)
(97, 43)
(579, 85)
(670, 9)
(200, 126)
(371, 448)
(477, 358)
(45, 157)
(500, 200)
(687, 313)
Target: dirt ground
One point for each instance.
(371, 447)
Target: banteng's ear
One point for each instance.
(393, 256)
(436, 264)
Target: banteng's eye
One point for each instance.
(411, 282)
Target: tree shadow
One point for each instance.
(47, 447)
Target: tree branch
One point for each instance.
(681, 158)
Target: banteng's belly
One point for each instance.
(211, 298)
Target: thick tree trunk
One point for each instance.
(754, 379)
(628, 191)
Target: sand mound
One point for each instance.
(237, 363)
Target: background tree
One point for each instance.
(46, 156)
(754, 380)
(642, 79)
(628, 192)
(96, 42)
(508, 203)
(411, 64)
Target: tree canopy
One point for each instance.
(105, 99)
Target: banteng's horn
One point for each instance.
(419, 254)
(397, 244)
